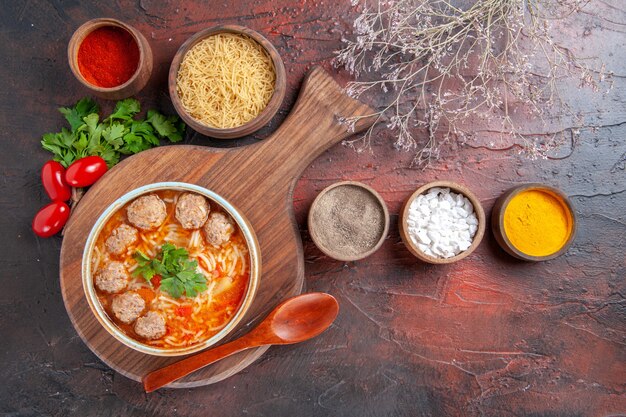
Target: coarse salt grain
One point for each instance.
(442, 223)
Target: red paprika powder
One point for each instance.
(108, 56)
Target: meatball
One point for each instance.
(122, 237)
(150, 326)
(218, 229)
(192, 210)
(113, 278)
(128, 306)
(147, 212)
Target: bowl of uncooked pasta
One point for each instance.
(227, 81)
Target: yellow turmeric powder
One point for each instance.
(537, 222)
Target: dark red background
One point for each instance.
(488, 336)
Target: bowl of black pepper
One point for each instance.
(348, 221)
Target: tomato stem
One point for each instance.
(77, 195)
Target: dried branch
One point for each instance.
(444, 61)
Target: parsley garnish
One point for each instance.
(119, 134)
(178, 273)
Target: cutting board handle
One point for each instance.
(315, 124)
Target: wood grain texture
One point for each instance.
(257, 179)
(489, 336)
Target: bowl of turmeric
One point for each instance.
(534, 222)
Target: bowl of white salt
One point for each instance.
(442, 222)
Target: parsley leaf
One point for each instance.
(166, 126)
(119, 134)
(74, 115)
(172, 286)
(125, 109)
(133, 144)
(145, 268)
(179, 274)
(114, 135)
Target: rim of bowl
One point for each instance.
(329, 252)
(458, 188)
(508, 196)
(90, 26)
(88, 283)
(264, 116)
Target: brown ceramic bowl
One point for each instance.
(135, 83)
(330, 252)
(497, 221)
(253, 125)
(459, 189)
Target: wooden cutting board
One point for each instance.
(258, 179)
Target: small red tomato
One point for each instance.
(85, 171)
(156, 281)
(217, 272)
(183, 311)
(53, 180)
(51, 219)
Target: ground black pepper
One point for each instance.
(347, 220)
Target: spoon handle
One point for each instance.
(161, 377)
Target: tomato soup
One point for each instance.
(141, 305)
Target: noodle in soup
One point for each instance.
(211, 238)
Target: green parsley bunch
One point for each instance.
(118, 134)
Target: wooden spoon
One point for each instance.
(295, 320)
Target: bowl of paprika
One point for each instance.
(110, 58)
(534, 222)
